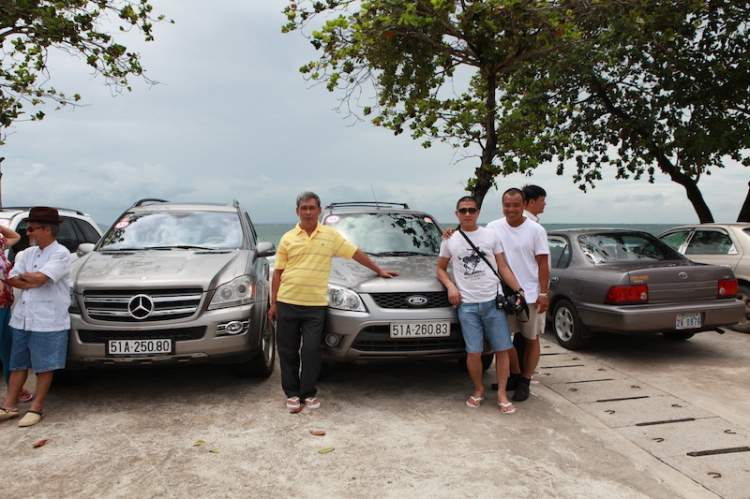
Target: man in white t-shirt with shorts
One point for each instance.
(475, 265)
(526, 250)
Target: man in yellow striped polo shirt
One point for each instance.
(299, 297)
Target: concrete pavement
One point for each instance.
(394, 430)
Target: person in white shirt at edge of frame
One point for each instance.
(474, 294)
(40, 320)
(526, 250)
(536, 201)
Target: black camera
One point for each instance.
(514, 303)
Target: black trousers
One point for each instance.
(298, 333)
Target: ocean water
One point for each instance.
(273, 232)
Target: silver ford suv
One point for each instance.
(408, 317)
(174, 283)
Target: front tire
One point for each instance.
(262, 364)
(744, 325)
(570, 331)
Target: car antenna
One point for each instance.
(373, 197)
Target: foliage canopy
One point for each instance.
(639, 85)
(29, 29)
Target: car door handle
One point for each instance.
(554, 279)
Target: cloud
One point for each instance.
(232, 118)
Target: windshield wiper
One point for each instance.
(121, 249)
(178, 246)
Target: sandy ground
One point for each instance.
(394, 430)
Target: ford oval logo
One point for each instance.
(682, 275)
(417, 301)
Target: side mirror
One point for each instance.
(84, 249)
(265, 249)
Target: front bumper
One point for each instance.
(195, 340)
(366, 336)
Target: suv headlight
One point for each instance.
(239, 291)
(73, 309)
(344, 299)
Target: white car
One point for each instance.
(78, 228)
(727, 245)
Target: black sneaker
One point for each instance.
(511, 384)
(522, 390)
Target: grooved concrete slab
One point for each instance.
(727, 475)
(617, 414)
(677, 439)
(593, 391)
(562, 370)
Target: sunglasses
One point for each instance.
(32, 229)
(464, 211)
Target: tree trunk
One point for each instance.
(744, 215)
(486, 172)
(665, 164)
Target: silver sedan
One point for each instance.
(727, 245)
(629, 282)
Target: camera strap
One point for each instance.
(506, 290)
(481, 255)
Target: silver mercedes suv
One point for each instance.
(174, 283)
(408, 317)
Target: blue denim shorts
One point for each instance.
(41, 351)
(484, 320)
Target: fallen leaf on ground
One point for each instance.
(38, 444)
(327, 450)
(198, 442)
(214, 451)
(318, 433)
(298, 409)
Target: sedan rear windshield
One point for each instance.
(626, 246)
(389, 234)
(180, 229)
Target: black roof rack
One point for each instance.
(143, 201)
(369, 204)
(26, 208)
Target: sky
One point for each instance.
(232, 118)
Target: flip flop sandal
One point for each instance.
(30, 419)
(292, 403)
(474, 402)
(505, 406)
(312, 403)
(25, 396)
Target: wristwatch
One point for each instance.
(543, 294)
(519, 290)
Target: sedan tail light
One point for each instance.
(727, 288)
(623, 295)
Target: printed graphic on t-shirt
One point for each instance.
(471, 264)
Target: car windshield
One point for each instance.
(174, 229)
(625, 246)
(389, 233)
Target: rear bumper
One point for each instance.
(659, 318)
